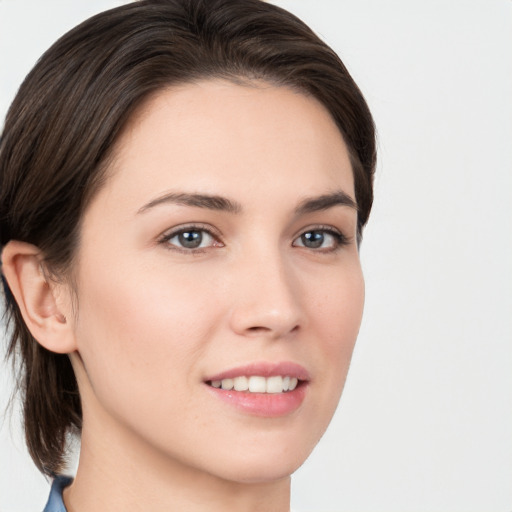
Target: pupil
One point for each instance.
(313, 239)
(190, 239)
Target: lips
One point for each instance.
(262, 389)
(263, 369)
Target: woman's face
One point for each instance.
(220, 252)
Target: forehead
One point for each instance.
(219, 137)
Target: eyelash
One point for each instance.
(340, 239)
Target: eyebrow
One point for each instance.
(197, 200)
(219, 203)
(324, 202)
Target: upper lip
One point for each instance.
(264, 369)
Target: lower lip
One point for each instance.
(269, 405)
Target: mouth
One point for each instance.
(262, 389)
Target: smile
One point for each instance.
(257, 384)
(264, 389)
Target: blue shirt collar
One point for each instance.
(55, 502)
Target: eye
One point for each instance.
(323, 239)
(190, 238)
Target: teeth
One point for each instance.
(275, 384)
(227, 384)
(257, 384)
(241, 383)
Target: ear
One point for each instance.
(44, 304)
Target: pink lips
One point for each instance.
(269, 405)
(264, 370)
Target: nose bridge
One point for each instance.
(266, 301)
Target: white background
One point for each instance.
(425, 423)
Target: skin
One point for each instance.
(149, 320)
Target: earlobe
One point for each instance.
(36, 296)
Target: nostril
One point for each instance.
(257, 329)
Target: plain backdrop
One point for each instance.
(425, 423)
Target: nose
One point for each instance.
(266, 298)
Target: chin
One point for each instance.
(265, 460)
(261, 472)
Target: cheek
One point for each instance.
(339, 308)
(338, 317)
(139, 331)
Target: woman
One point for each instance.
(184, 185)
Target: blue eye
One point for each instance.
(190, 238)
(326, 239)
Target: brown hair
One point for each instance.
(71, 109)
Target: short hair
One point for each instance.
(71, 109)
